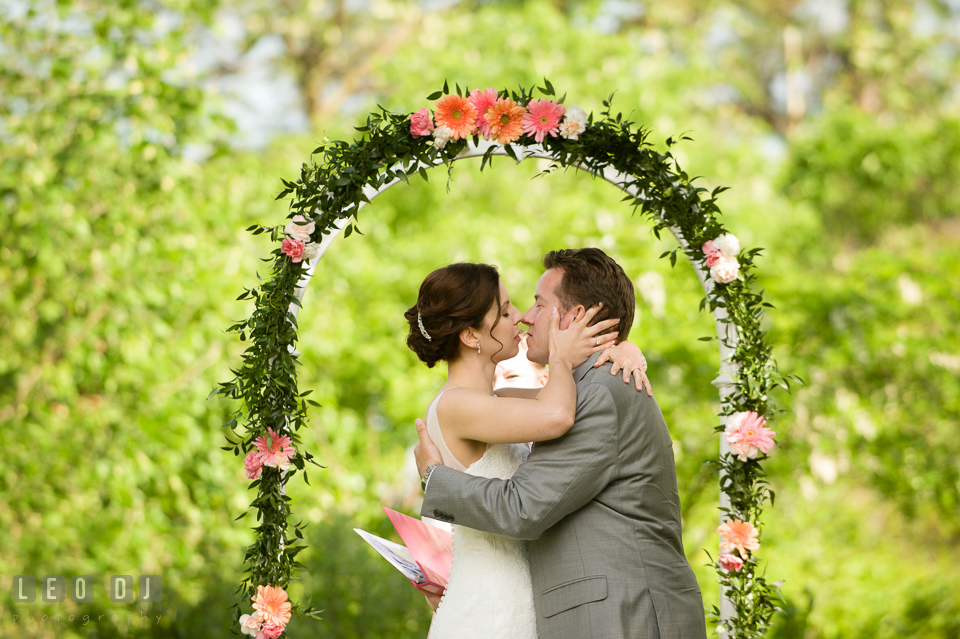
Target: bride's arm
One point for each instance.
(517, 393)
(627, 357)
(475, 416)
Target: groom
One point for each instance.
(600, 504)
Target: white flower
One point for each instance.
(574, 123)
(735, 421)
(726, 270)
(300, 228)
(571, 130)
(311, 250)
(576, 114)
(727, 244)
(250, 624)
(441, 135)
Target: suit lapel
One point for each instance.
(581, 371)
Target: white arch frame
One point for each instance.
(726, 332)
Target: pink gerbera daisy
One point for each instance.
(483, 100)
(740, 535)
(542, 119)
(272, 604)
(457, 114)
(277, 451)
(505, 118)
(747, 435)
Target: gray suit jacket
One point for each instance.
(601, 509)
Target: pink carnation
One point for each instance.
(420, 123)
(542, 118)
(272, 630)
(712, 253)
(741, 535)
(293, 248)
(253, 464)
(747, 435)
(481, 101)
(730, 562)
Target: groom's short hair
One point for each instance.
(590, 276)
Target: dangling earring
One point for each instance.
(478, 348)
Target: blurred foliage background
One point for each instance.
(138, 138)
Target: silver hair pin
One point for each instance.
(423, 331)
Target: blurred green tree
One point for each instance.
(120, 259)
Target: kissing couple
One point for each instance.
(578, 537)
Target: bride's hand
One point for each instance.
(627, 357)
(578, 341)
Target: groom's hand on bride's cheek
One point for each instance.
(425, 452)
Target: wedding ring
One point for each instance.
(598, 340)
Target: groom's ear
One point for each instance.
(572, 315)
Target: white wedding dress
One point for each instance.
(489, 594)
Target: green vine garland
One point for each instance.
(331, 192)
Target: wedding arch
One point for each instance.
(329, 196)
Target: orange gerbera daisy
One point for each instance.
(457, 114)
(740, 535)
(506, 120)
(272, 604)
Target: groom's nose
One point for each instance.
(528, 318)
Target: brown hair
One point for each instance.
(590, 276)
(451, 299)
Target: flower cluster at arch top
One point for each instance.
(496, 118)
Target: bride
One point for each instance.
(464, 316)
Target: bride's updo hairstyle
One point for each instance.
(451, 299)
